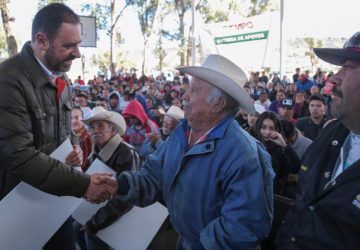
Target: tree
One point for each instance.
(258, 7)
(209, 14)
(11, 43)
(43, 3)
(148, 13)
(159, 50)
(311, 44)
(3, 49)
(104, 12)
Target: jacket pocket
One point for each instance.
(38, 126)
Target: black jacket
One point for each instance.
(32, 125)
(120, 157)
(326, 213)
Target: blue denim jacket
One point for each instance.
(218, 192)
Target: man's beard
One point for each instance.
(54, 64)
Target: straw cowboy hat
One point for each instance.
(175, 112)
(225, 75)
(100, 114)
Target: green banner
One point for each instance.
(242, 38)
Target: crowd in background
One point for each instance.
(290, 113)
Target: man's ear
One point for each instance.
(42, 40)
(219, 105)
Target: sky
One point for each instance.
(313, 18)
(321, 18)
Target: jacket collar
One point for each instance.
(34, 69)
(108, 150)
(183, 131)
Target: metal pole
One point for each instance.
(193, 56)
(281, 38)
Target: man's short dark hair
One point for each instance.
(82, 95)
(101, 98)
(49, 19)
(288, 129)
(317, 97)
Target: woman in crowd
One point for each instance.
(252, 118)
(285, 161)
(78, 128)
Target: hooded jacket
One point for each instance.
(118, 106)
(135, 135)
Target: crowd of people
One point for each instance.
(287, 116)
(212, 145)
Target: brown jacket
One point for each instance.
(32, 125)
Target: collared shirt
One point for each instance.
(52, 76)
(349, 153)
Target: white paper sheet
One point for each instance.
(29, 217)
(134, 230)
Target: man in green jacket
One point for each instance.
(35, 110)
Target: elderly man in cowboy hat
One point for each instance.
(106, 129)
(215, 179)
(326, 213)
(154, 141)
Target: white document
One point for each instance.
(29, 217)
(134, 230)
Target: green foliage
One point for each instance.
(258, 7)
(146, 14)
(101, 12)
(212, 15)
(43, 3)
(100, 60)
(311, 44)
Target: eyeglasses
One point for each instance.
(353, 42)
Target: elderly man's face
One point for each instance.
(168, 124)
(64, 48)
(345, 103)
(196, 107)
(101, 132)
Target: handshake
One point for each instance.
(102, 187)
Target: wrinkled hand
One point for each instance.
(75, 158)
(101, 188)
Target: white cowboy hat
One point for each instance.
(175, 112)
(225, 75)
(100, 114)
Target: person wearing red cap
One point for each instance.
(326, 212)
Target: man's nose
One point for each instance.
(335, 79)
(76, 52)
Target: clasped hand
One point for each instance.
(101, 188)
